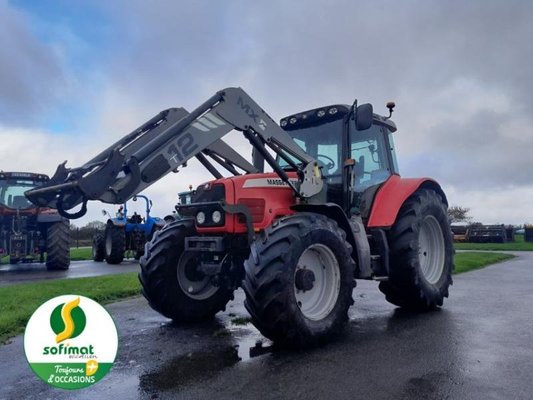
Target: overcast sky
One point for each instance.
(76, 75)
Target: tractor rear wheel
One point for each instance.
(98, 247)
(421, 254)
(171, 281)
(115, 244)
(58, 246)
(299, 280)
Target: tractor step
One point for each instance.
(380, 278)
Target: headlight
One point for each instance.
(200, 218)
(216, 217)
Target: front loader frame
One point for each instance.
(166, 142)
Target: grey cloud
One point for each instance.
(30, 76)
(296, 55)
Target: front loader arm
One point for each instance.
(166, 143)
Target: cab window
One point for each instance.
(368, 149)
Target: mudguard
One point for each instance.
(391, 196)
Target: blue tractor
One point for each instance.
(125, 234)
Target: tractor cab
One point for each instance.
(14, 184)
(351, 160)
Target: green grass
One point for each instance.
(76, 254)
(467, 261)
(517, 245)
(18, 302)
(81, 253)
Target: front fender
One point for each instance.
(116, 222)
(391, 196)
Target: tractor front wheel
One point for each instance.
(115, 244)
(58, 246)
(421, 254)
(299, 280)
(98, 247)
(171, 281)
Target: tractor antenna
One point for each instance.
(354, 109)
(390, 106)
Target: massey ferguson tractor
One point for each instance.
(332, 210)
(28, 232)
(125, 234)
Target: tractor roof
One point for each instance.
(326, 114)
(24, 175)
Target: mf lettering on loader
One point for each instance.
(332, 210)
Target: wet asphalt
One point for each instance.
(37, 272)
(478, 346)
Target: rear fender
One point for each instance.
(355, 233)
(391, 196)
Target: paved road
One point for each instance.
(479, 346)
(24, 273)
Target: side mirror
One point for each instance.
(104, 213)
(364, 115)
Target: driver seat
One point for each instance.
(19, 202)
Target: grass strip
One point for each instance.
(469, 261)
(518, 245)
(18, 302)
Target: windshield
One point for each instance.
(323, 143)
(12, 192)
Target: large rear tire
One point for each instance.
(421, 254)
(58, 246)
(170, 281)
(115, 244)
(299, 280)
(98, 247)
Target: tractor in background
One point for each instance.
(125, 234)
(27, 231)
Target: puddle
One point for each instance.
(189, 368)
(237, 340)
(249, 342)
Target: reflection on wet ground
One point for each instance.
(191, 367)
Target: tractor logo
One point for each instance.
(71, 342)
(208, 122)
(251, 113)
(68, 320)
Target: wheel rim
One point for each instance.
(431, 251)
(94, 251)
(316, 303)
(193, 283)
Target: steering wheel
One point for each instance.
(331, 165)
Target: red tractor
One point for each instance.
(334, 209)
(28, 232)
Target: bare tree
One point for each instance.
(458, 214)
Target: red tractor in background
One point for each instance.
(334, 209)
(28, 232)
